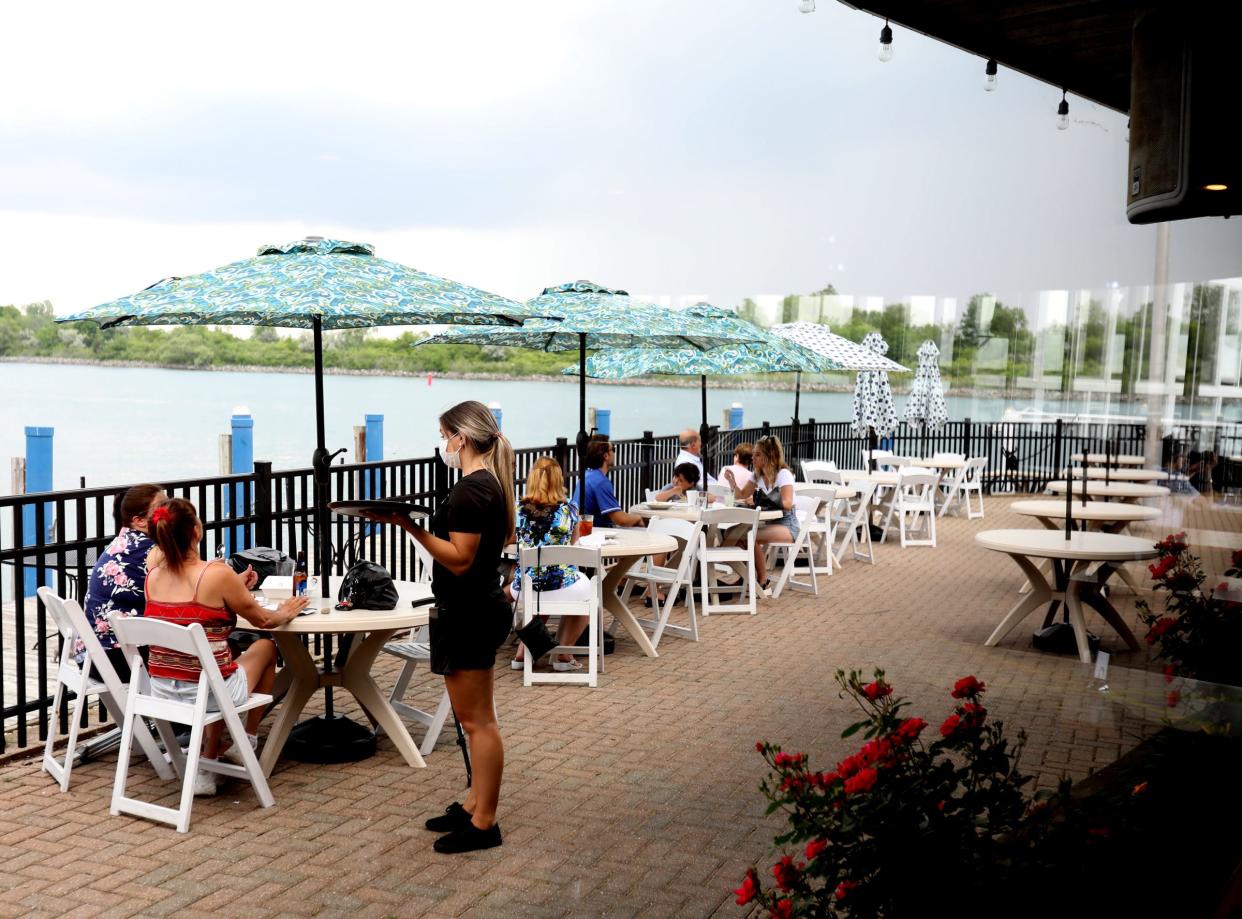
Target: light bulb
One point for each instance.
(806, 6)
(989, 76)
(1063, 113)
(886, 42)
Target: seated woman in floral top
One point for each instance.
(117, 586)
(545, 518)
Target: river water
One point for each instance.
(117, 425)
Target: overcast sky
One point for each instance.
(688, 149)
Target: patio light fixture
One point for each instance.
(989, 76)
(886, 42)
(1063, 113)
(806, 6)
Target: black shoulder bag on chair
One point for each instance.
(534, 634)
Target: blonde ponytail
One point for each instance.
(475, 422)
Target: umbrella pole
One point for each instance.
(582, 433)
(704, 430)
(327, 738)
(797, 395)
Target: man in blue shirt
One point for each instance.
(601, 499)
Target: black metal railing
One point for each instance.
(66, 530)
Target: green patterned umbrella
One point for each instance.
(768, 355)
(584, 316)
(316, 284)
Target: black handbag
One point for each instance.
(367, 585)
(264, 560)
(535, 634)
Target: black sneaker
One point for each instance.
(454, 817)
(468, 838)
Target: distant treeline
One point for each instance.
(32, 332)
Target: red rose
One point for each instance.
(782, 910)
(825, 779)
(877, 690)
(814, 847)
(950, 725)
(1162, 567)
(974, 715)
(851, 764)
(758, 746)
(844, 888)
(1169, 672)
(749, 889)
(909, 730)
(966, 687)
(1174, 697)
(789, 760)
(862, 781)
(785, 873)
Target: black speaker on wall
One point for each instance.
(1185, 113)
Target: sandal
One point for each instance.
(565, 666)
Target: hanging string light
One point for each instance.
(886, 42)
(1063, 113)
(806, 6)
(989, 76)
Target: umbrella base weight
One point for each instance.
(330, 740)
(1059, 638)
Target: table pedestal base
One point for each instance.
(1059, 639)
(330, 740)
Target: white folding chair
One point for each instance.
(915, 500)
(805, 507)
(949, 491)
(533, 603)
(415, 650)
(188, 639)
(856, 526)
(72, 623)
(973, 484)
(813, 469)
(735, 554)
(675, 580)
(822, 525)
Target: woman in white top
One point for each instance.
(771, 488)
(743, 456)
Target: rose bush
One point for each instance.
(1197, 633)
(904, 816)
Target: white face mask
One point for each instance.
(452, 460)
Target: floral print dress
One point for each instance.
(545, 525)
(118, 585)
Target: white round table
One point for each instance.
(1123, 475)
(1102, 516)
(1125, 491)
(681, 512)
(938, 462)
(378, 626)
(624, 546)
(1112, 459)
(1075, 581)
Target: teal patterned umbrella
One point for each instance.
(585, 316)
(316, 284)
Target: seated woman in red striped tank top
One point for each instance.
(184, 589)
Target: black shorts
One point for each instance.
(466, 637)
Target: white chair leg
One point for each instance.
(442, 712)
(52, 766)
(75, 719)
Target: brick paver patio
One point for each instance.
(638, 798)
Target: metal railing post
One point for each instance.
(262, 503)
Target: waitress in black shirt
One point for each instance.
(472, 618)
